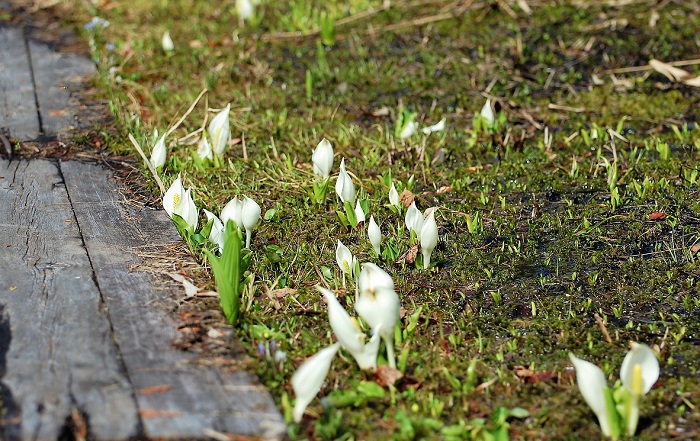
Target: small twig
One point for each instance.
(603, 328)
(419, 21)
(649, 67)
(148, 164)
(274, 147)
(7, 145)
(553, 106)
(177, 124)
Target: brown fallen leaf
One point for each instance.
(387, 376)
(79, 425)
(657, 215)
(283, 292)
(533, 377)
(695, 248)
(152, 390)
(445, 189)
(155, 413)
(383, 111)
(409, 256)
(406, 197)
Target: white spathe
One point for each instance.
(167, 42)
(322, 159)
(244, 9)
(393, 195)
(487, 112)
(378, 304)
(375, 235)
(159, 153)
(414, 219)
(179, 201)
(188, 210)
(309, 377)
(344, 186)
(640, 355)
(435, 127)
(204, 150)
(220, 131)
(638, 373)
(409, 129)
(173, 196)
(348, 335)
(233, 211)
(346, 261)
(216, 235)
(359, 213)
(593, 384)
(428, 237)
(250, 216)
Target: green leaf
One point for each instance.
(519, 412)
(228, 271)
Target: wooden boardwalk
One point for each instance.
(86, 344)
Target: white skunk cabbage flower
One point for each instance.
(346, 261)
(428, 237)
(375, 235)
(204, 150)
(159, 153)
(167, 42)
(174, 196)
(487, 113)
(593, 386)
(359, 213)
(344, 186)
(639, 371)
(179, 201)
(233, 211)
(216, 235)
(393, 195)
(322, 159)
(244, 8)
(220, 131)
(435, 127)
(348, 335)
(409, 129)
(378, 304)
(308, 379)
(188, 210)
(615, 412)
(250, 216)
(414, 219)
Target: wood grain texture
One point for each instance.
(61, 359)
(198, 397)
(56, 77)
(19, 117)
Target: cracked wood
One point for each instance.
(197, 398)
(61, 356)
(19, 117)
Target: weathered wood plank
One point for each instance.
(199, 397)
(61, 355)
(55, 77)
(19, 117)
